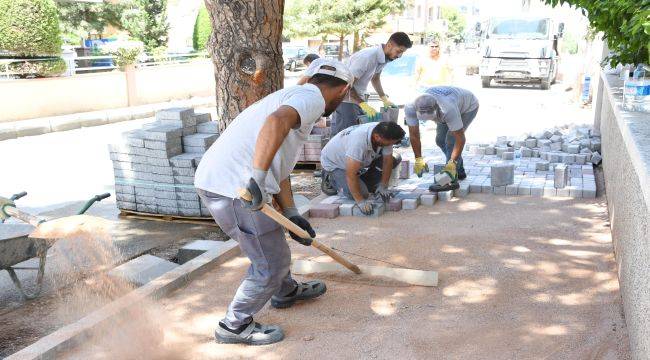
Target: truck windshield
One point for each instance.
(519, 28)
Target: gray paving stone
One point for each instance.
(186, 180)
(194, 149)
(211, 127)
(463, 190)
(589, 192)
(183, 160)
(346, 209)
(189, 130)
(147, 208)
(508, 155)
(502, 174)
(541, 166)
(428, 199)
(410, 203)
(142, 269)
(201, 118)
(561, 176)
(203, 140)
(189, 212)
(183, 171)
(445, 195)
(523, 189)
(189, 204)
(499, 190)
(198, 247)
(512, 189)
(162, 145)
(125, 197)
(181, 117)
(125, 189)
(126, 205)
(573, 149)
(596, 158)
(531, 143)
(162, 133)
(167, 210)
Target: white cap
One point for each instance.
(426, 107)
(333, 68)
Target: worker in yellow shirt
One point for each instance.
(433, 70)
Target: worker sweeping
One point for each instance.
(258, 151)
(366, 67)
(453, 109)
(358, 161)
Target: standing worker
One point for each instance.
(258, 151)
(366, 66)
(433, 70)
(453, 110)
(358, 161)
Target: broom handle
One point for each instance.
(23, 216)
(289, 225)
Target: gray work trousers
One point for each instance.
(263, 241)
(345, 115)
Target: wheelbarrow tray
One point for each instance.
(16, 246)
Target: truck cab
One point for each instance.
(522, 50)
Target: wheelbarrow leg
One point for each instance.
(42, 256)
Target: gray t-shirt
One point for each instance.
(354, 143)
(453, 102)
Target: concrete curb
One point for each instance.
(69, 336)
(16, 129)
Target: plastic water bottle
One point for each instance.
(636, 91)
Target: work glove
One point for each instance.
(387, 103)
(420, 166)
(257, 190)
(293, 215)
(368, 110)
(451, 169)
(383, 193)
(365, 206)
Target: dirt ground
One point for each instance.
(520, 278)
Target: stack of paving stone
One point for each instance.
(556, 162)
(312, 148)
(154, 166)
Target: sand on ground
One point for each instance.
(520, 278)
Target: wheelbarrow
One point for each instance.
(21, 245)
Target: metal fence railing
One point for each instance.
(97, 63)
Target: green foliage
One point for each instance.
(39, 67)
(624, 23)
(83, 19)
(202, 29)
(126, 56)
(29, 27)
(336, 17)
(569, 44)
(455, 24)
(146, 20)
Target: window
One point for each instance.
(419, 11)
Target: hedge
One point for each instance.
(38, 68)
(202, 29)
(29, 28)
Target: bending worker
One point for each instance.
(453, 110)
(366, 66)
(258, 151)
(358, 161)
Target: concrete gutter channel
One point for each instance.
(67, 337)
(16, 129)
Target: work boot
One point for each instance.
(303, 291)
(326, 184)
(252, 333)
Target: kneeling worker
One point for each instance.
(258, 151)
(453, 110)
(358, 161)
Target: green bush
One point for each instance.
(569, 44)
(38, 67)
(202, 29)
(29, 27)
(126, 56)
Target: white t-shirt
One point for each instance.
(453, 102)
(364, 64)
(355, 143)
(228, 164)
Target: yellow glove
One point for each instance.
(369, 110)
(387, 103)
(420, 166)
(451, 169)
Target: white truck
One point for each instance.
(521, 50)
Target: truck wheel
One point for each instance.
(546, 84)
(485, 81)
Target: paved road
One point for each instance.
(61, 170)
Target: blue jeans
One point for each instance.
(446, 141)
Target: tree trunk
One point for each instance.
(357, 42)
(246, 49)
(341, 39)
